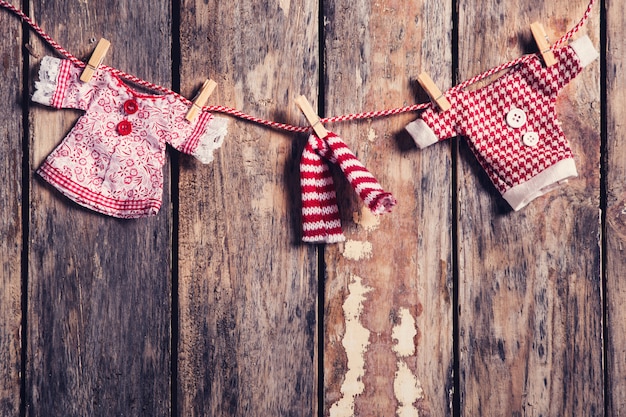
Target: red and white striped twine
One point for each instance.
(284, 126)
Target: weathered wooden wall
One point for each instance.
(11, 233)
(248, 288)
(388, 302)
(530, 304)
(615, 221)
(99, 290)
(451, 305)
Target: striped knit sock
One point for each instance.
(320, 214)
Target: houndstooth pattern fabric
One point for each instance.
(320, 215)
(480, 117)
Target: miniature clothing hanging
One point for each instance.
(511, 125)
(112, 159)
(320, 215)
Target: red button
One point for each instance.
(124, 128)
(130, 107)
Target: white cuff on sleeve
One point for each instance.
(585, 50)
(421, 133)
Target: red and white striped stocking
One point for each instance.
(320, 215)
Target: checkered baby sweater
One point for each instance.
(511, 125)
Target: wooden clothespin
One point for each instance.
(201, 98)
(541, 38)
(312, 117)
(433, 91)
(95, 61)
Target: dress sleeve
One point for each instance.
(59, 85)
(210, 136)
(201, 137)
(432, 126)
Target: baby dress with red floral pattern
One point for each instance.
(112, 159)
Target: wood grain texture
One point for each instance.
(247, 286)
(388, 303)
(99, 289)
(615, 210)
(11, 134)
(530, 305)
(529, 284)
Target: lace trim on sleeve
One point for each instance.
(47, 84)
(211, 140)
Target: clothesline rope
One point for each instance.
(284, 126)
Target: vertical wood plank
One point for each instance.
(616, 209)
(11, 131)
(99, 288)
(247, 286)
(388, 301)
(530, 301)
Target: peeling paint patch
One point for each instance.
(404, 333)
(407, 388)
(357, 250)
(366, 219)
(355, 342)
(284, 6)
(371, 135)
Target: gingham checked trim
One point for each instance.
(95, 201)
(194, 139)
(284, 126)
(62, 80)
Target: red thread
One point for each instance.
(283, 126)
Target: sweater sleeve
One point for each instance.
(571, 60)
(59, 85)
(433, 126)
